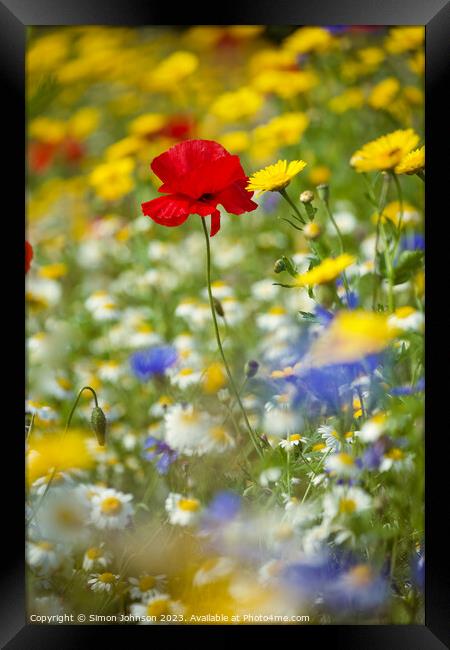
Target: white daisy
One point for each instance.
(111, 509)
(213, 570)
(186, 429)
(372, 429)
(95, 557)
(145, 586)
(342, 464)
(44, 555)
(185, 377)
(291, 441)
(151, 610)
(103, 582)
(63, 517)
(345, 501)
(182, 510)
(269, 475)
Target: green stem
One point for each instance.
(287, 198)
(341, 245)
(219, 342)
(55, 469)
(381, 206)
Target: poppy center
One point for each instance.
(206, 197)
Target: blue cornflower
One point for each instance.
(154, 448)
(412, 242)
(409, 390)
(145, 364)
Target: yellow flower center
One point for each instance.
(68, 518)
(158, 607)
(184, 372)
(346, 459)
(146, 583)
(111, 506)
(46, 546)
(107, 578)
(188, 505)
(294, 437)
(395, 454)
(347, 506)
(93, 553)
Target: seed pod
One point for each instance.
(324, 192)
(279, 266)
(218, 307)
(307, 196)
(251, 368)
(98, 423)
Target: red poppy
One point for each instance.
(198, 175)
(28, 255)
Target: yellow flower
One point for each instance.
(412, 163)
(215, 378)
(282, 130)
(48, 130)
(232, 106)
(351, 98)
(172, 71)
(83, 122)
(417, 63)
(383, 93)
(319, 175)
(308, 39)
(235, 141)
(351, 335)
(371, 56)
(285, 83)
(385, 152)
(123, 148)
(327, 270)
(147, 124)
(403, 39)
(393, 210)
(275, 177)
(112, 180)
(53, 271)
(56, 451)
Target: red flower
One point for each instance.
(28, 255)
(198, 175)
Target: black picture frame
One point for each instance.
(15, 16)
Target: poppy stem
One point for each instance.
(219, 342)
(69, 420)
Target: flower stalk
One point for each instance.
(219, 342)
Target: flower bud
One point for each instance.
(98, 423)
(279, 266)
(307, 196)
(218, 307)
(324, 192)
(312, 230)
(251, 368)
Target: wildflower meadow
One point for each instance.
(224, 267)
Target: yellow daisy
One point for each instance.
(385, 152)
(275, 177)
(352, 335)
(327, 270)
(413, 162)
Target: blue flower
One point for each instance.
(224, 507)
(409, 390)
(154, 448)
(412, 242)
(145, 364)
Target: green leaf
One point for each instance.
(306, 315)
(408, 264)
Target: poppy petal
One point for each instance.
(215, 223)
(236, 199)
(185, 157)
(168, 210)
(207, 179)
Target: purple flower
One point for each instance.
(145, 364)
(154, 448)
(409, 390)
